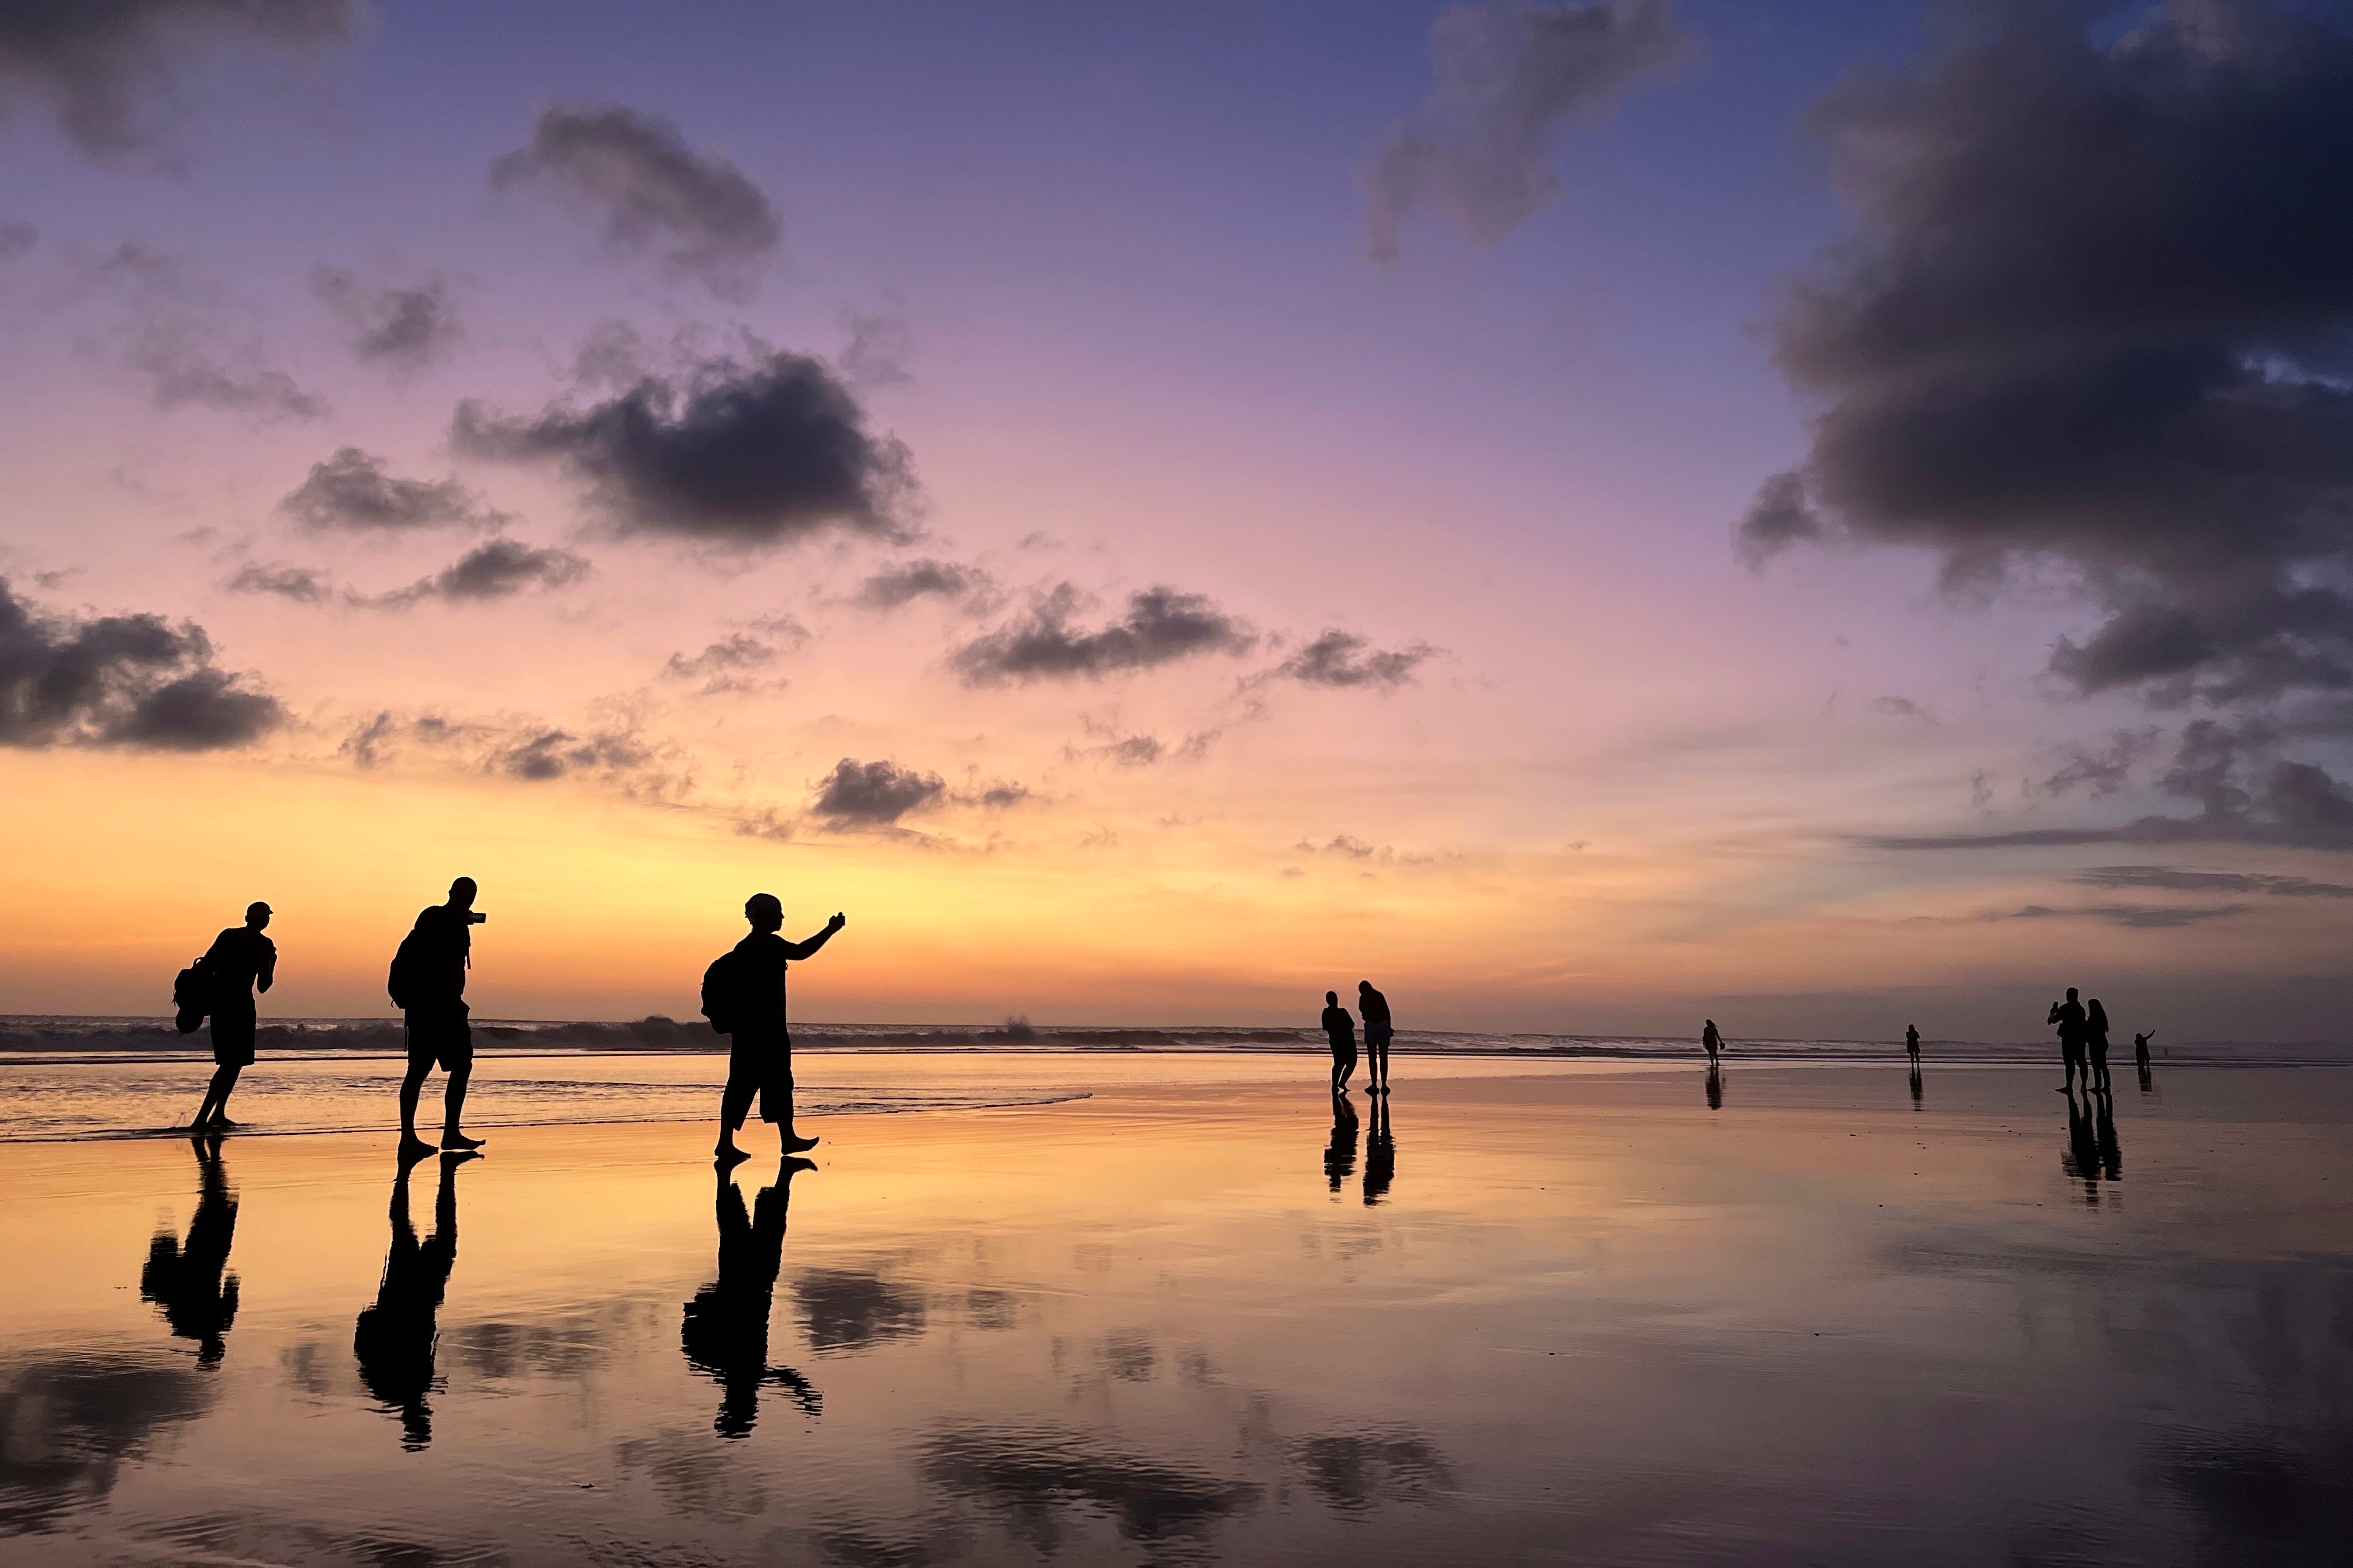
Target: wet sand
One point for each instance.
(1562, 1316)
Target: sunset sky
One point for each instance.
(1822, 515)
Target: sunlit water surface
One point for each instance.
(1797, 1315)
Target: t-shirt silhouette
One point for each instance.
(760, 982)
(239, 957)
(1341, 1027)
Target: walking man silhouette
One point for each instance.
(1374, 1008)
(1341, 1030)
(239, 959)
(429, 986)
(743, 996)
(2069, 1015)
(1712, 1040)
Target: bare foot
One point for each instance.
(413, 1148)
(728, 1154)
(799, 1145)
(458, 1141)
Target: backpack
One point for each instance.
(407, 963)
(192, 996)
(722, 990)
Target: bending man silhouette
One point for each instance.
(239, 959)
(190, 1279)
(1340, 1030)
(725, 1332)
(429, 986)
(395, 1337)
(2069, 1016)
(1374, 1008)
(760, 1041)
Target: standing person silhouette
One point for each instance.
(2069, 1016)
(1341, 1030)
(2095, 1043)
(239, 959)
(1374, 1008)
(1712, 1040)
(752, 1015)
(1912, 1043)
(2140, 1048)
(429, 986)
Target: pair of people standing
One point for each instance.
(2083, 1042)
(1340, 1030)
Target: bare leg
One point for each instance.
(734, 1104)
(216, 1095)
(410, 1084)
(454, 1105)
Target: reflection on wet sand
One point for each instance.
(1044, 1481)
(189, 1279)
(1917, 1103)
(70, 1426)
(1352, 1471)
(725, 1331)
(1340, 1150)
(1381, 1155)
(395, 1337)
(2093, 1152)
(847, 1309)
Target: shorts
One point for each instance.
(233, 1038)
(1378, 1038)
(440, 1037)
(763, 1058)
(1344, 1053)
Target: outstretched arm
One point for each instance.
(808, 949)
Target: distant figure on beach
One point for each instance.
(744, 997)
(2069, 1016)
(1340, 1153)
(1380, 1156)
(1912, 1043)
(395, 1337)
(2140, 1047)
(1374, 1008)
(725, 1333)
(2095, 1043)
(240, 960)
(429, 986)
(1341, 1030)
(1711, 1039)
(190, 1279)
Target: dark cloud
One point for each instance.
(1161, 627)
(554, 754)
(618, 756)
(2136, 917)
(1342, 659)
(126, 680)
(2097, 316)
(876, 793)
(2173, 879)
(1508, 78)
(2102, 770)
(999, 796)
(1901, 708)
(725, 663)
(1346, 845)
(697, 211)
(304, 585)
(192, 347)
(896, 586)
(352, 490)
(749, 455)
(2245, 793)
(403, 325)
(110, 71)
(497, 569)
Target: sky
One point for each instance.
(1824, 516)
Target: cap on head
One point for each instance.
(256, 908)
(760, 903)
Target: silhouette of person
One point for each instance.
(1341, 1030)
(1340, 1153)
(429, 986)
(1715, 1085)
(190, 1279)
(725, 1330)
(1711, 1039)
(759, 1038)
(1912, 1043)
(2140, 1047)
(395, 1337)
(1374, 1008)
(2069, 1016)
(1380, 1156)
(239, 959)
(2095, 1041)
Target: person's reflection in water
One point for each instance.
(2148, 1079)
(2081, 1159)
(2104, 1132)
(1915, 1083)
(1714, 1086)
(189, 1279)
(1380, 1156)
(725, 1334)
(1340, 1153)
(394, 1339)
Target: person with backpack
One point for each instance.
(744, 997)
(239, 961)
(429, 986)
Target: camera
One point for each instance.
(475, 916)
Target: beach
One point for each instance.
(1171, 1311)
